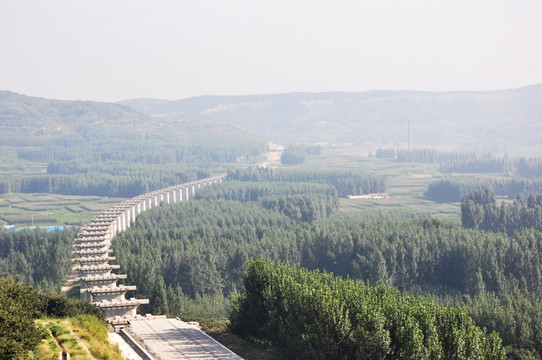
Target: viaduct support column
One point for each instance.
(143, 205)
(193, 191)
(120, 219)
(134, 214)
(127, 215)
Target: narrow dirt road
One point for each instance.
(272, 157)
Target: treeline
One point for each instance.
(20, 305)
(453, 190)
(298, 154)
(385, 153)
(467, 162)
(253, 191)
(151, 148)
(434, 156)
(530, 167)
(345, 181)
(485, 165)
(313, 315)
(300, 201)
(100, 183)
(121, 168)
(38, 258)
(524, 167)
(479, 210)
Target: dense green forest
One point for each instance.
(453, 190)
(524, 167)
(36, 257)
(314, 315)
(296, 155)
(347, 182)
(479, 210)
(196, 252)
(100, 183)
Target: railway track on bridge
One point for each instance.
(98, 282)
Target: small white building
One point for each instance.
(373, 196)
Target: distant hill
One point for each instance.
(45, 117)
(36, 117)
(497, 121)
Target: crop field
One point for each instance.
(407, 182)
(51, 209)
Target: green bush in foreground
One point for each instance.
(314, 315)
(20, 305)
(18, 309)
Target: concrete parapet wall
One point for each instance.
(135, 345)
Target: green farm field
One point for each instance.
(407, 182)
(51, 209)
(32, 209)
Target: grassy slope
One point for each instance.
(83, 337)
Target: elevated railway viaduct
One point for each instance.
(93, 250)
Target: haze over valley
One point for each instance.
(506, 121)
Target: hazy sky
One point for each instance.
(118, 49)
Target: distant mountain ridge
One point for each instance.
(496, 121)
(48, 117)
(31, 120)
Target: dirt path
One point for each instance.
(78, 350)
(272, 157)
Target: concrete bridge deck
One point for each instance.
(167, 339)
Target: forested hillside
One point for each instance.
(88, 148)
